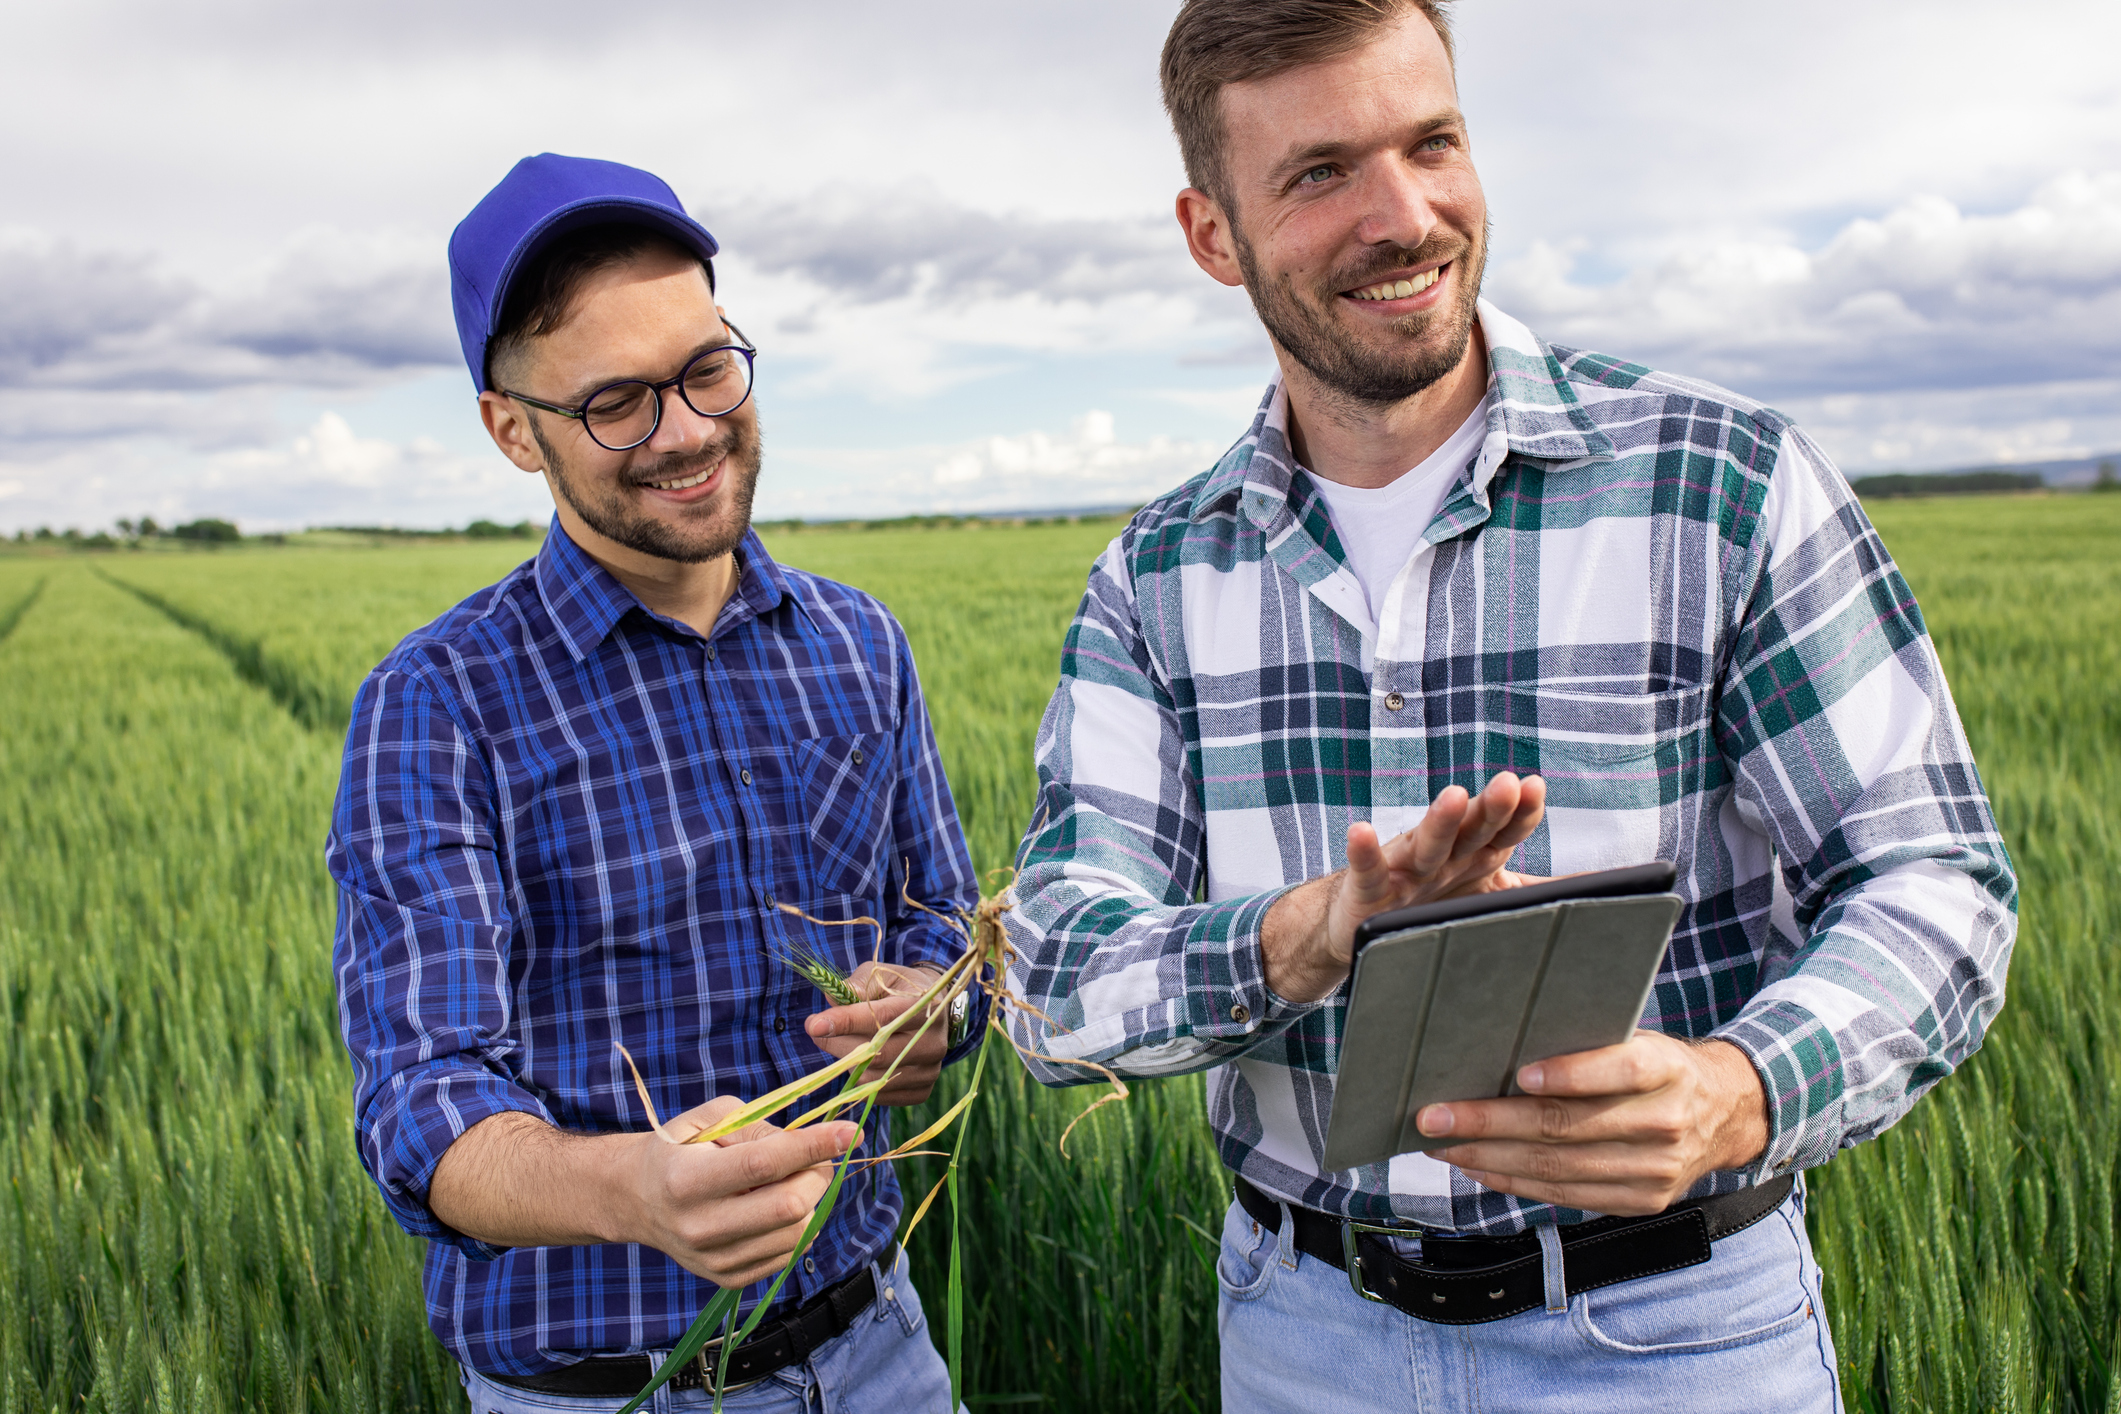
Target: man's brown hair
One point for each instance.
(542, 295)
(1218, 42)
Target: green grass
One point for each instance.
(985, 611)
(190, 1227)
(307, 625)
(1970, 1253)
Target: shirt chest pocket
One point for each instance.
(846, 785)
(1600, 750)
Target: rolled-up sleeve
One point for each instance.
(1115, 959)
(1848, 752)
(421, 947)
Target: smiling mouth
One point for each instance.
(683, 483)
(1399, 289)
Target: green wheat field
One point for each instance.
(186, 1226)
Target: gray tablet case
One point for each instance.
(1451, 1010)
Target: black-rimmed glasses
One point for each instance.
(621, 416)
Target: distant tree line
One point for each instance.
(946, 521)
(211, 531)
(477, 530)
(1954, 483)
(208, 530)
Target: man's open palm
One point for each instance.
(1459, 847)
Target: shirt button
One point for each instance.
(1240, 1013)
(1393, 702)
(747, 778)
(710, 652)
(855, 756)
(810, 1265)
(780, 1024)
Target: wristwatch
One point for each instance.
(960, 1018)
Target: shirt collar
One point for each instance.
(1544, 418)
(586, 602)
(1530, 403)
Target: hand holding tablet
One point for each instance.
(1454, 1002)
(1449, 999)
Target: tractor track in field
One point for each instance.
(22, 606)
(295, 693)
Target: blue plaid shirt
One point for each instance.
(561, 824)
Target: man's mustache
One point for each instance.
(684, 464)
(1384, 260)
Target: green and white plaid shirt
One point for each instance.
(1660, 597)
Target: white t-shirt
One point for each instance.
(1379, 527)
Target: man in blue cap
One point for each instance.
(570, 810)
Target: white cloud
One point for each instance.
(329, 474)
(62, 301)
(1966, 427)
(365, 301)
(869, 244)
(1925, 296)
(1236, 404)
(904, 294)
(329, 309)
(1028, 471)
(1630, 126)
(37, 422)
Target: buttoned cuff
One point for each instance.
(1799, 1065)
(1227, 996)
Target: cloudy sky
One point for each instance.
(947, 225)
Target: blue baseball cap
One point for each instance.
(540, 198)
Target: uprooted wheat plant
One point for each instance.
(980, 964)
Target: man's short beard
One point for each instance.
(1376, 378)
(689, 544)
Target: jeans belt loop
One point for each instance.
(1550, 1267)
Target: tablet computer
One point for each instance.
(1449, 999)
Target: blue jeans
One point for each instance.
(883, 1361)
(1745, 1330)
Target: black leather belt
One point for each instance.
(773, 1346)
(1464, 1281)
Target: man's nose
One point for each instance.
(1397, 204)
(680, 429)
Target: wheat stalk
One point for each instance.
(982, 963)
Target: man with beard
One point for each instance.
(571, 811)
(1504, 607)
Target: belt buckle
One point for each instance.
(1349, 1231)
(704, 1363)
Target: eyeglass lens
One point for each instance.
(624, 415)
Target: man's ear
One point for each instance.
(508, 423)
(1209, 237)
